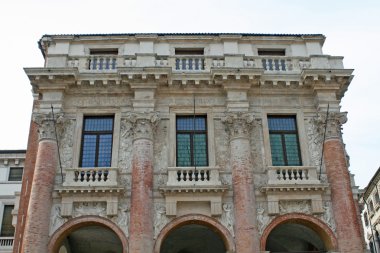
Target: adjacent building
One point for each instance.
(11, 170)
(370, 202)
(187, 143)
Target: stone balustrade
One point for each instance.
(91, 177)
(190, 176)
(6, 243)
(292, 175)
(194, 63)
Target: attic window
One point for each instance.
(272, 52)
(189, 51)
(104, 51)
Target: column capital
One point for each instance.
(238, 124)
(46, 126)
(143, 124)
(334, 123)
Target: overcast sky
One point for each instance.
(352, 29)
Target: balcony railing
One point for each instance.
(6, 242)
(91, 177)
(202, 63)
(190, 176)
(292, 175)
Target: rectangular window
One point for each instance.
(284, 141)
(15, 174)
(7, 229)
(97, 138)
(271, 52)
(191, 141)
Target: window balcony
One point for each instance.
(193, 177)
(91, 177)
(290, 175)
(6, 244)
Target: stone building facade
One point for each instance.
(11, 171)
(187, 143)
(370, 203)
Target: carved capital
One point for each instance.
(334, 123)
(239, 124)
(46, 126)
(143, 124)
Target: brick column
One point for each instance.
(343, 204)
(141, 216)
(246, 233)
(36, 234)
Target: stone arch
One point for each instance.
(199, 219)
(320, 227)
(76, 223)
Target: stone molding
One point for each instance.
(238, 124)
(46, 126)
(143, 124)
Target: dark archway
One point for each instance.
(88, 234)
(193, 238)
(293, 237)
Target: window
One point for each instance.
(15, 174)
(97, 138)
(370, 206)
(284, 141)
(366, 219)
(377, 199)
(191, 141)
(189, 51)
(7, 228)
(271, 52)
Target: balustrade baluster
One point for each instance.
(178, 175)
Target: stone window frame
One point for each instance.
(2, 206)
(79, 128)
(9, 173)
(173, 112)
(303, 143)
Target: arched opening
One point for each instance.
(92, 238)
(293, 237)
(298, 233)
(88, 234)
(194, 233)
(193, 238)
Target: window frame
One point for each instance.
(2, 220)
(9, 173)
(97, 133)
(282, 133)
(192, 133)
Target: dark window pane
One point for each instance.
(105, 150)
(291, 145)
(200, 149)
(15, 174)
(183, 150)
(89, 151)
(277, 150)
(282, 124)
(98, 124)
(6, 225)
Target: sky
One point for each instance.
(352, 29)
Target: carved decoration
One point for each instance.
(238, 124)
(227, 217)
(315, 139)
(122, 218)
(143, 124)
(65, 132)
(90, 208)
(56, 219)
(262, 219)
(45, 122)
(125, 148)
(328, 216)
(295, 206)
(334, 123)
(160, 148)
(160, 218)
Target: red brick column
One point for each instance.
(246, 233)
(343, 204)
(141, 217)
(36, 234)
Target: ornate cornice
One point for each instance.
(334, 123)
(238, 124)
(143, 124)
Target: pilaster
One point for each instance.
(36, 233)
(141, 219)
(239, 126)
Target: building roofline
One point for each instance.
(368, 189)
(45, 37)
